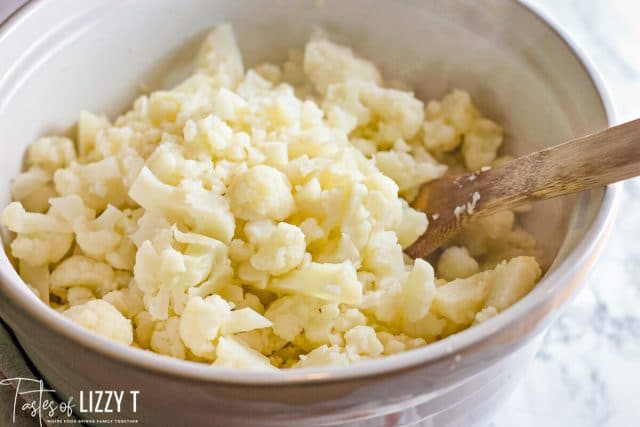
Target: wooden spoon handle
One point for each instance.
(587, 162)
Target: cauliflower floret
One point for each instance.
(165, 339)
(398, 343)
(455, 109)
(261, 192)
(289, 315)
(512, 280)
(41, 248)
(89, 125)
(323, 356)
(440, 136)
(209, 134)
(362, 341)
(33, 189)
(456, 263)
(384, 258)
(412, 225)
(78, 295)
(103, 319)
(200, 323)
(481, 144)
(98, 183)
(51, 153)
(233, 353)
(98, 237)
(418, 291)
(461, 299)
(326, 63)
(165, 275)
(331, 282)
(128, 301)
(190, 204)
(406, 170)
(281, 251)
(398, 114)
(16, 219)
(79, 270)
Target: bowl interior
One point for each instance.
(56, 61)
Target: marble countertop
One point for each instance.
(588, 369)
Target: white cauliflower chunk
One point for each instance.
(200, 323)
(261, 192)
(98, 183)
(362, 341)
(331, 282)
(89, 125)
(51, 153)
(512, 281)
(190, 204)
(418, 290)
(324, 356)
(41, 248)
(281, 251)
(326, 63)
(406, 170)
(461, 299)
(79, 270)
(233, 353)
(456, 263)
(103, 319)
(481, 144)
(165, 338)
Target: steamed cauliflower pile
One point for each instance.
(253, 219)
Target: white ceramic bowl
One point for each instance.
(57, 58)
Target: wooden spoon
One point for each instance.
(588, 162)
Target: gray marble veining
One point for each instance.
(588, 369)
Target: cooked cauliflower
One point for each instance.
(102, 318)
(256, 219)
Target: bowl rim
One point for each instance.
(30, 305)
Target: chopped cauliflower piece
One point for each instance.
(79, 270)
(456, 263)
(327, 63)
(89, 125)
(281, 251)
(51, 153)
(233, 353)
(481, 144)
(261, 192)
(362, 341)
(331, 282)
(419, 290)
(512, 281)
(323, 356)
(200, 323)
(461, 299)
(102, 318)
